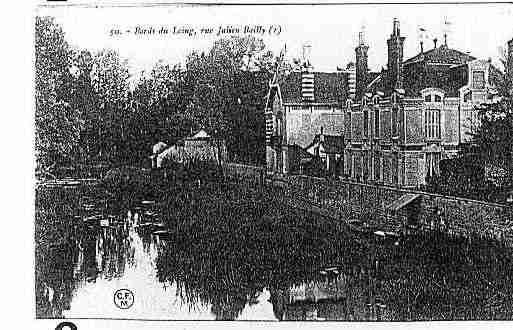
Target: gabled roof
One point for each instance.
(442, 54)
(329, 87)
(333, 144)
(200, 135)
(301, 152)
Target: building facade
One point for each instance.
(399, 123)
(415, 113)
(299, 106)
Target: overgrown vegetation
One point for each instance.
(484, 170)
(230, 241)
(89, 110)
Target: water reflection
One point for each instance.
(277, 270)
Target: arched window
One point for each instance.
(427, 98)
(438, 98)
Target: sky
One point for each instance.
(332, 30)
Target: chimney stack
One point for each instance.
(351, 80)
(361, 65)
(395, 57)
(307, 75)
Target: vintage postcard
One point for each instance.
(272, 162)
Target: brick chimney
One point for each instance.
(307, 76)
(362, 68)
(395, 57)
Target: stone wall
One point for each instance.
(370, 203)
(457, 216)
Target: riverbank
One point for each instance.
(228, 242)
(232, 241)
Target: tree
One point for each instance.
(491, 147)
(84, 100)
(57, 124)
(493, 136)
(222, 91)
(230, 85)
(109, 79)
(160, 99)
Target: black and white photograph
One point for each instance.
(272, 162)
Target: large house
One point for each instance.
(396, 125)
(299, 106)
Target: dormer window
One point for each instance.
(433, 98)
(349, 103)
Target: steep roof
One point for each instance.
(201, 134)
(440, 67)
(333, 144)
(442, 54)
(329, 87)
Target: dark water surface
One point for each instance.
(260, 261)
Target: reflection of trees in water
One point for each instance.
(227, 249)
(425, 278)
(69, 252)
(226, 253)
(231, 244)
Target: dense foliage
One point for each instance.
(89, 109)
(484, 169)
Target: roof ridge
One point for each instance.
(437, 49)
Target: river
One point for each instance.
(88, 247)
